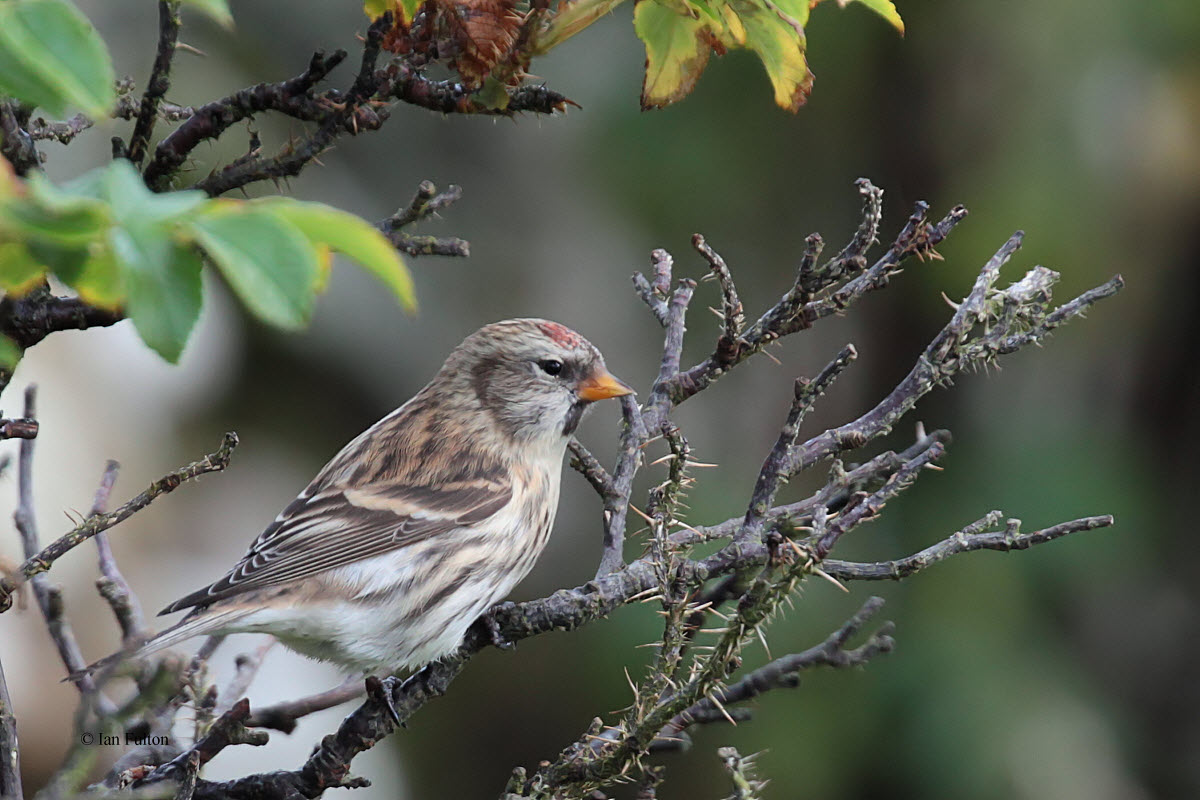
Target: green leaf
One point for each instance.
(408, 9)
(887, 10)
(65, 262)
(493, 94)
(677, 49)
(10, 354)
(268, 262)
(350, 235)
(19, 270)
(120, 185)
(778, 40)
(162, 279)
(705, 8)
(217, 9)
(50, 215)
(100, 280)
(52, 57)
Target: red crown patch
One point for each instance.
(561, 334)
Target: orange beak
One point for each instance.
(601, 385)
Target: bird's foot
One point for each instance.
(380, 692)
(492, 626)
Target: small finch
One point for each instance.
(425, 520)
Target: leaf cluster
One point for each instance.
(125, 248)
(490, 43)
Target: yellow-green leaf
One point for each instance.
(779, 41)
(405, 10)
(51, 56)
(47, 214)
(887, 10)
(350, 235)
(677, 48)
(19, 270)
(10, 354)
(100, 280)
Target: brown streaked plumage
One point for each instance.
(423, 521)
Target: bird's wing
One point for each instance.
(338, 526)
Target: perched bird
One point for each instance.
(425, 520)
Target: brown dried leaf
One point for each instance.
(483, 34)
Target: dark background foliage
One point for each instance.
(1066, 671)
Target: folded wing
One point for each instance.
(339, 526)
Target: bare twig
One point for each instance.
(425, 203)
(112, 584)
(226, 731)
(655, 294)
(35, 315)
(283, 716)
(969, 539)
(247, 665)
(291, 97)
(733, 317)
(949, 353)
(49, 598)
(18, 428)
(773, 470)
(871, 506)
(159, 82)
(62, 132)
(41, 561)
(587, 465)
(616, 507)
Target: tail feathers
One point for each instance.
(196, 624)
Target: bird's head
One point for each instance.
(534, 377)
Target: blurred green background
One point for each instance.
(1068, 671)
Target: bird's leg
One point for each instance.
(491, 625)
(380, 692)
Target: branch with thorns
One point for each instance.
(763, 554)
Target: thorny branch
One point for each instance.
(362, 106)
(160, 79)
(763, 553)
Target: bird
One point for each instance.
(424, 521)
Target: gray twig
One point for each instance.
(49, 598)
(283, 716)
(112, 584)
(41, 561)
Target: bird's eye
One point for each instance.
(551, 366)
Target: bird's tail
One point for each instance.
(200, 622)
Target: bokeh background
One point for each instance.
(1067, 671)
